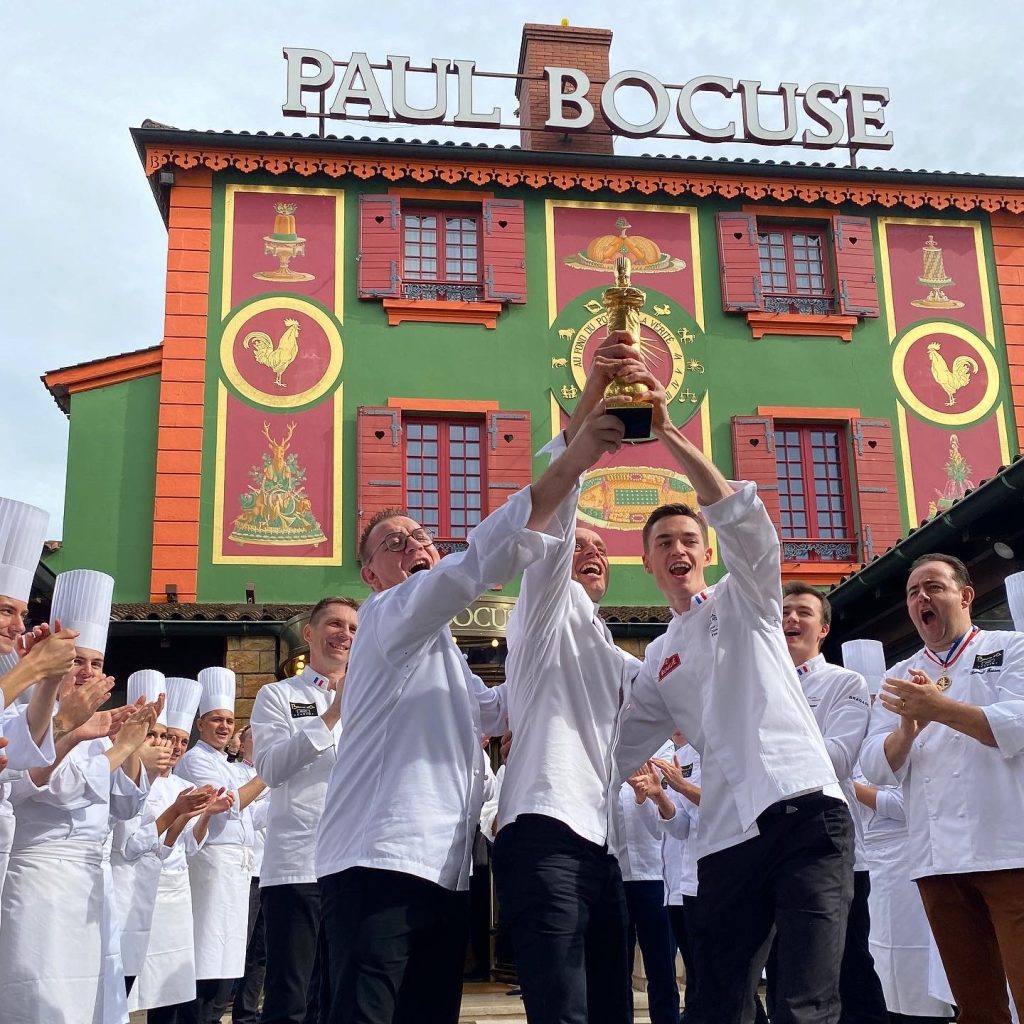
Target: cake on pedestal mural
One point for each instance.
(581, 243)
(946, 366)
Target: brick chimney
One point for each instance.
(562, 46)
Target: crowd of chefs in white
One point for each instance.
(865, 855)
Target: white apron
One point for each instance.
(168, 975)
(900, 938)
(51, 948)
(115, 1001)
(6, 841)
(219, 876)
(135, 888)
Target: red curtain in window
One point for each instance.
(380, 246)
(508, 444)
(379, 462)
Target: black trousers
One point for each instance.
(796, 875)
(679, 916)
(562, 900)
(245, 1009)
(648, 924)
(396, 947)
(863, 1001)
(213, 997)
(294, 972)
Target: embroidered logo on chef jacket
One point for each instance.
(686, 770)
(670, 664)
(859, 700)
(713, 625)
(303, 710)
(983, 662)
(813, 701)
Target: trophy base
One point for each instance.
(636, 418)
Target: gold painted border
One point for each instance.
(549, 229)
(218, 557)
(988, 400)
(908, 469)
(979, 250)
(231, 191)
(298, 304)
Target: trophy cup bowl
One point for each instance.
(623, 303)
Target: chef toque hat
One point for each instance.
(868, 658)
(218, 690)
(22, 533)
(149, 684)
(81, 600)
(182, 702)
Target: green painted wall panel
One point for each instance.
(111, 482)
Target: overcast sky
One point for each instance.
(84, 247)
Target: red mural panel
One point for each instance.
(584, 241)
(284, 242)
(279, 483)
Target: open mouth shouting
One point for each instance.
(679, 568)
(421, 563)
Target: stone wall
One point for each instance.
(253, 659)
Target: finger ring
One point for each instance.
(903, 702)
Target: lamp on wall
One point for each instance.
(1015, 599)
(250, 592)
(171, 593)
(166, 177)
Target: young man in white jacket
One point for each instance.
(775, 844)
(395, 843)
(296, 725)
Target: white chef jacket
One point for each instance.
(723, 676)
(409, 689)
(964, 801)
(163, 792)
(678, 835)
(639, 848)
(841, 704)
(204, 766)
(260, 815)
(294, 753)
(565, 677)
(78, 800)
(22, 754)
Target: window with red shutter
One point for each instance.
(379, 462)
(509, 455)
(854, 251)
(874, 462)
(753, 458)
(457, 262)
(739, 261)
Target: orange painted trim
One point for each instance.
(509, 174)
(101, 373)
(1008, 248)
(818, 573)
(441, 405)
(802, 412)
(455, 195)
(786, 212)
(801, 325)
(430, 311)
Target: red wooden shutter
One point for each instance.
(509, 448)
(380, 462)
(739, 262)
(753, 458)
(878, 499)
(855, 265)
(504, 250)
(380, 246)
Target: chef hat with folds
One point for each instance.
(81, 600)
(868, 658)
(182, 702)
(149, 684)
(22, 533)
(218, 690)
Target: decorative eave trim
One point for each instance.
(510, 174)
(101, 373)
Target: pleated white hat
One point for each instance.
(218, 690)
(22, 532)
(81, 600)
(868, 658)
(149, 684)
(182, 702)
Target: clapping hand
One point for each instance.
(645, 782)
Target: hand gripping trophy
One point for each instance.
(623, 304)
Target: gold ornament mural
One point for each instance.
(950, 378)
(277, 358)
(644, 254)
(935, 278)
(284, 244)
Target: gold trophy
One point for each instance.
(623, 303)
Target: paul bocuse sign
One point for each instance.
(825, 115)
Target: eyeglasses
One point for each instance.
(399, 541)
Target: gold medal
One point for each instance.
(943, 683)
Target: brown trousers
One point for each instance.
(978, 923)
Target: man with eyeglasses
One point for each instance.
(395, 843)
